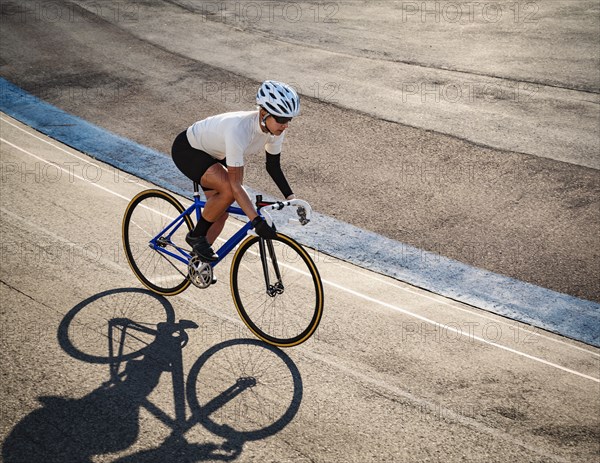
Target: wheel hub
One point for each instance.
(275, 289)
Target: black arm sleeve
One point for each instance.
(274, 170)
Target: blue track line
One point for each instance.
(557, 312)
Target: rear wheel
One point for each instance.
(147, 214)
(277, 290)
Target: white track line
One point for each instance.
(453, 305)
(436, 407)
(457, 331)
(64, 170)
(534, 332)
(87, 161)
(360, 295)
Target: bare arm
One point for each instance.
(236, 178)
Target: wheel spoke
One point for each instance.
(285, 317)
(146, 216)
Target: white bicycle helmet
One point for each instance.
(278, 99)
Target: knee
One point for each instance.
(226, 194)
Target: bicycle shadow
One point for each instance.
(138, 352)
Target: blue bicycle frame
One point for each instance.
(159, 242)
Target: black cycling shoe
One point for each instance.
(201, 247)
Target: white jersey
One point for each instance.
(231, 136)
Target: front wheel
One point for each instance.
(277, 290)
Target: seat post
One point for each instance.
(197, 201)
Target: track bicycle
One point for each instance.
(275, 285)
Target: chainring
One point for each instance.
(200, 273)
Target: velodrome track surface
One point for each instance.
(505, 180)
(481, 134)
(394, 373)
(540, 307)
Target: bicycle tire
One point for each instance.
(286, 319)
(146, 215)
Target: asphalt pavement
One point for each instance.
(468, 130)
(394, 373)
(501, 176)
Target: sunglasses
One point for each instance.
(282, 120)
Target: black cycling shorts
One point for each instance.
(191, 161)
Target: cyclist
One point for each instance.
(212, 152)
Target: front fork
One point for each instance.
(267, 252)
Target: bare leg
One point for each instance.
(217, 200)
(217, 227)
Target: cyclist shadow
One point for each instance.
(107, 419)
